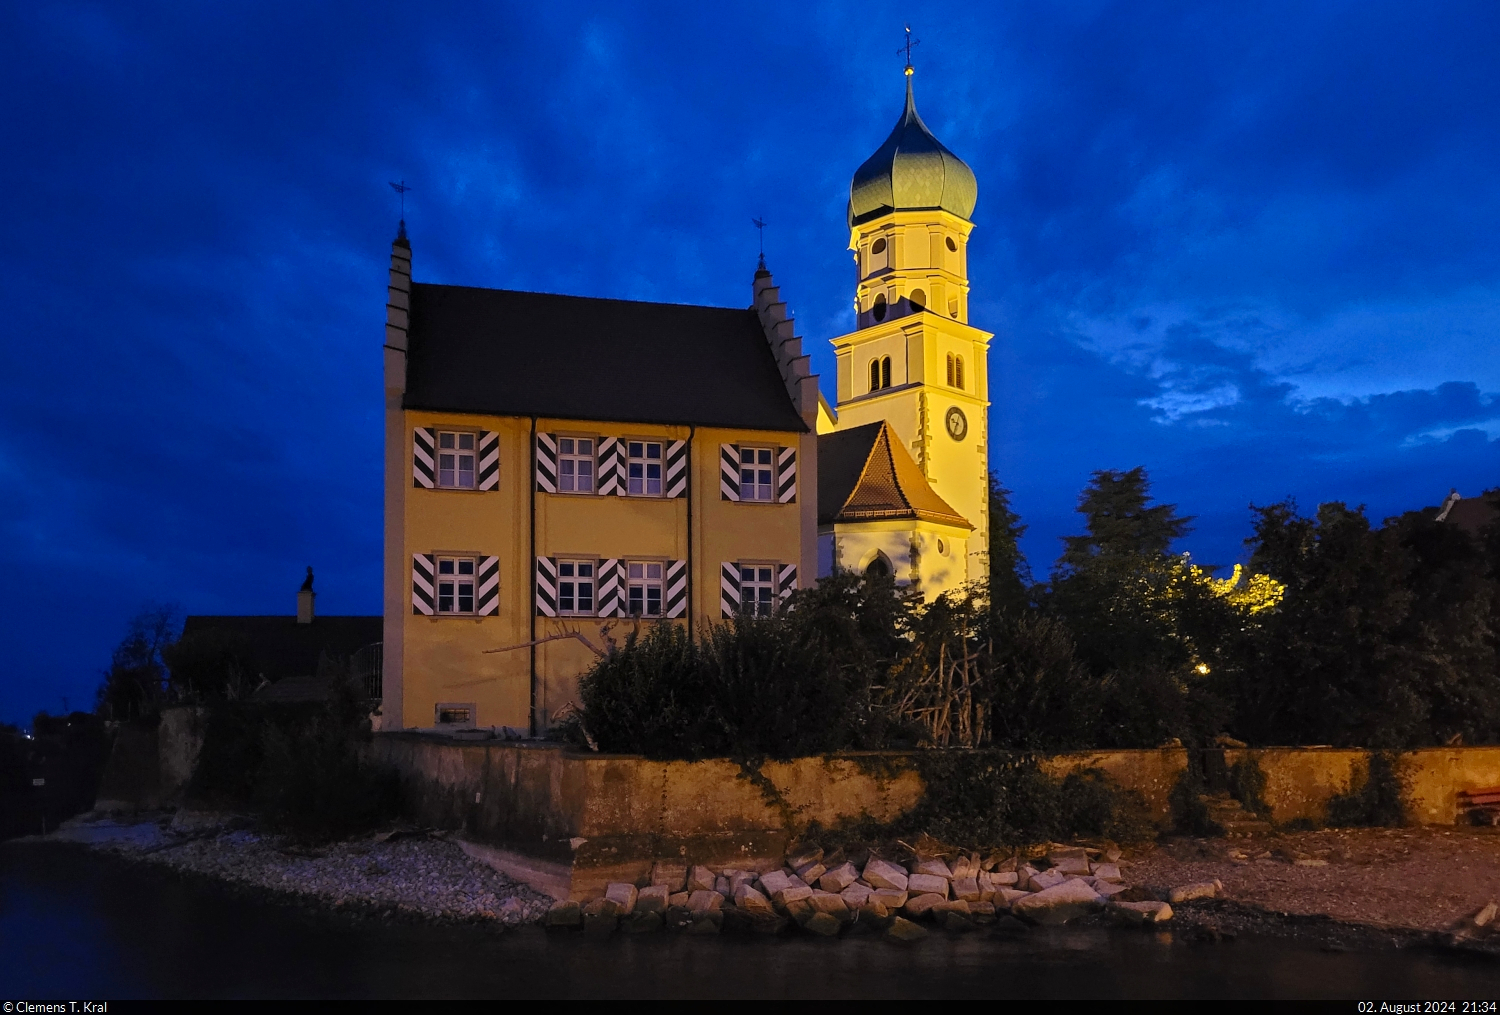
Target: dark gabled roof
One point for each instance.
(864, 474)
(504, 353)
(281, 647)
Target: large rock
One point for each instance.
(889, 898)
(856, 895)
(1045, 880)
(678, 900)
(919, 906)
(704, 901)
(1108, 872)
(641, 923)
(822, 923)
(839, 878)
(1058, 904)
(1140, 912)
(927, 884)
(936, 866)
(1197, 890)
(810, 872)
(653, 899)
(748, 898)
(884, 874)
(772, 882)
(565, 914)
(904, 930)
(967, 889)
(803, 857)
(623, 896)
(673, 875)
(1070, 864)
(600, 918)
(1006, 897)
(1024, 874)
(950, 906)
(965, 865)
(1007, 878)
(827, 902)
(795, 893)
(723, 887)
(1108, 888)
(700, 879)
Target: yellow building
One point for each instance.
(913, 497)
(561, 470)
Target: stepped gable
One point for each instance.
(864, 474)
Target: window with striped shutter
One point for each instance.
(546, 586)
(611, 589)
(677, 588)
(611, 467)
(489, 460)
(424, 457)
(729, 472)
(677, 468)
(546, 464)
(786, 582)
(487, 587)
(786, 475)
(729, 588)
(423, 568)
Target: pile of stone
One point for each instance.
(831, 895)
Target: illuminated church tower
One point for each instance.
(903, 460)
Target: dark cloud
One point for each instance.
(1251, 249)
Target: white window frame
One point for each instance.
(568, 581)
(573, 462)
(761, 466)
(455, 476)
(456, 579)
(638, 479)
(642, 578)
(762, 579)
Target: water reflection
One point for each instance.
(76, 924)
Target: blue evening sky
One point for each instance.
(1251, 247)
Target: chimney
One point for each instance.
(305, 599)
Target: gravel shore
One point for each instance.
(410, 874)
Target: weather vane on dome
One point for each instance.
(760, 226)
(910, 42)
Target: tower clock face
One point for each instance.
(957, 423)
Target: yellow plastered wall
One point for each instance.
(444, 658)
(931, 555)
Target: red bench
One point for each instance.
(1481, 805)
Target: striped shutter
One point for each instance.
(786, 581)
(729, 472)
(423, 595)
(489, 460)
(424, 457)
(487, 587)
(546, 586)
(609, 588)
(611, 470)
(676, 588)
(786, 475)
(729, 589)
(677, 470)
(546, 464)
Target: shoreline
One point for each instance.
(423, 877)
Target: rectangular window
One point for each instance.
(757, 589)
(575, 587)
(644, 468)
(455, 460)
(455, 585)
(757, 474)
(575, 464)
(643, 582)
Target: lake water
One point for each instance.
(78, 925)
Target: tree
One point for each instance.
(1010, 576)
(135, 684)
(1120, 522)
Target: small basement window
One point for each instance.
(459, 714)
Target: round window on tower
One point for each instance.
(942, 547)
(878, 247)
(879, 309)
(952, 246)
(918, 299)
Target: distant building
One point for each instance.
(562, 469)
(1471, 514)
(284, 651)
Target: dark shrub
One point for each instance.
(1374, 798)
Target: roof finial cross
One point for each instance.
(401, 188)
(910, 42)
(760, 226)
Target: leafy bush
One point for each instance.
(299, 766)
(1247, 784)
(1189, 813)
(1375, 797)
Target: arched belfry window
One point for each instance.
(918, 299)
(879, 309)
(885, 371)
(958, 372)
(950, 370)
(874, 375)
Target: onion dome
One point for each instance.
(912, 171)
